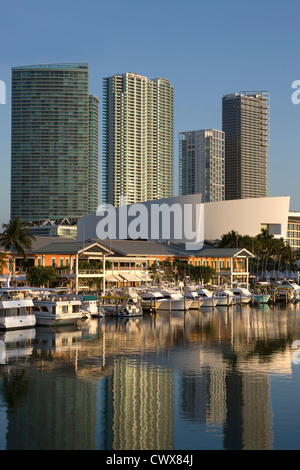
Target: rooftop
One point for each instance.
(129, 248)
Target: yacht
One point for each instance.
(225, 298)
(128, 308)
(292, 288)
(173, 300)
(197, 300)
(150, 298)
(207, 296)
(16, 309)
(56, 310)
(242, 294)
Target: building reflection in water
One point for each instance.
(128, 384)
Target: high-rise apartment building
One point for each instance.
(201, 164)
(138, 134)
(245, 117)
(54, 151)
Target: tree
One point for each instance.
(277, 250)
(17, 238)
(229, 240)
(154, 271)
(41, 276)
(266, 240)
(202, 273)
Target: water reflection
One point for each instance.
(181, 381)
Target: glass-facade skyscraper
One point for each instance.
(54, 147)
(138, 138)
(245, 121)
(202, 164)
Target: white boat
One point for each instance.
(207, 296)
(89, 305)
(173, 300)
(197, 301)
(150, 298)
(128, 308)
(16, 309)
(225, 298)
(291, 287)
(56, 310)
(242, 293)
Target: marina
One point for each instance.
(24, 307)
(178, 367)
(212, 379)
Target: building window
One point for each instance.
(53, 263)
(61, 262)
(39, 261)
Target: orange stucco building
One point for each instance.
(129, 260)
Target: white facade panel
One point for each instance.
(245, 216)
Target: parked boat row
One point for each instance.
(27, 307)
(191, 298)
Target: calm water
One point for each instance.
(222, 379)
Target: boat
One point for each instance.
(288, 290)
(56, 310)
(150, 298)
(242, 294)
(197, 301)
(16, 309)
(207, 296)
(224, 298)
(261, 298)
(173, 300)
(89, 305)
(128, 308)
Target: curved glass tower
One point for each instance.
(54, 151)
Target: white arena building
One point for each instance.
(245, 216)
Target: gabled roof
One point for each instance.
(223, 252)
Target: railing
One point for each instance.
(234, 270)
(108, 272)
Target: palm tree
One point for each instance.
(277, 248)
(17, 238)
(257, 251)
(266, 238)
(229, 240)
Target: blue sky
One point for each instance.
(205, 48)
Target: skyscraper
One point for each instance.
(201, 164)
(54, 154)
(245, 118)
(138, 147)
